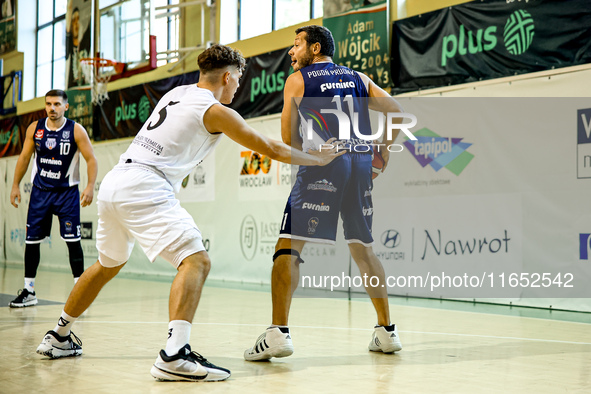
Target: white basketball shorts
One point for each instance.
(135, 203)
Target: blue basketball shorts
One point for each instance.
(65, 203)
(321, 193)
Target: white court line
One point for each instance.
(321, 328)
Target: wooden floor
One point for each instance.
(444, 350)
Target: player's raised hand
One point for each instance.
(328, 151)
(15, 195)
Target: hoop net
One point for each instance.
(99, 71)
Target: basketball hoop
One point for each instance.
(98, 71)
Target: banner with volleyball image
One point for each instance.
(489, 39)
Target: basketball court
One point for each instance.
(448, 346)
(140, 50)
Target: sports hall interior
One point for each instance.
(520, 195)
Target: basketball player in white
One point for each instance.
(136, 201)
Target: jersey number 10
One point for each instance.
(64, 148)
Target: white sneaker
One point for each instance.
(187, 366)
(385, 339)
(274, 342)
(56, 346)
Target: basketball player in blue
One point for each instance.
(57, 143)
(136, 201)
(320, 193)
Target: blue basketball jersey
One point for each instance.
(327, 86)
(56, 156)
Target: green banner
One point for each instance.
(361, 41)
(7, 35)
(81, 108)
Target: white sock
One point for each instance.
(64, 324)
(179, 334)
(76, 280)
(30, 284)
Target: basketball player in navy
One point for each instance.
(57, 143)
(320, 193)
(136, 201)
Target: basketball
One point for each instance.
(377, 164)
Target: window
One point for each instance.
(166, 29)
(126, 28)
(125, 31)
(51, 46)
(255, 17)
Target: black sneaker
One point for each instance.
(56, 346)
(24, 298)
(187, 366)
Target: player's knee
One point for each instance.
(107, 262)
(286, 256)
(362, 254)
(205, 264)
(100, 273)
(198, 262)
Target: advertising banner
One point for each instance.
(126, 110)
(78, 40)
(13, 131)
(3, 200)
(361, 40)
(199, 185)
(11, 139)
(489, 39)
(7, 26)
(488, 202)
(80, 109)
(480, 200)
(260, 93)
(261, 86)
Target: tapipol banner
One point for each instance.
(489, 39)
(361, 40)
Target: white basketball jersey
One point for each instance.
(173, 139)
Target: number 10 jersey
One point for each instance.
(57, 162)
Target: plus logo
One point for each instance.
(390, 239)
(584, 246)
